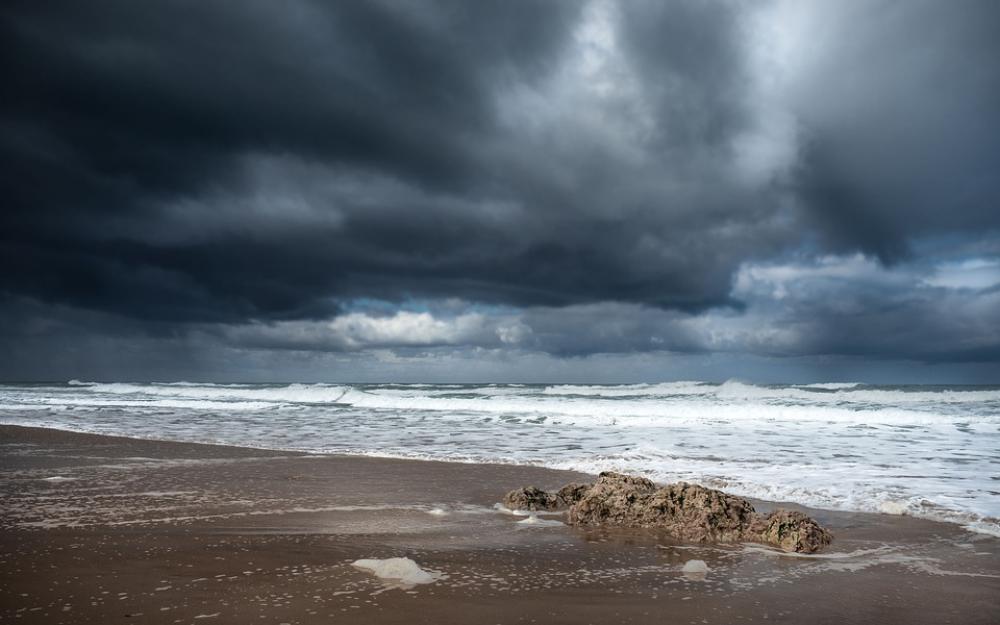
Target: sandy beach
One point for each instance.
(101, 529)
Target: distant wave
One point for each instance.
(830, 386)
(855, 394)
(297, 393)
(617, 400)
(630, 390)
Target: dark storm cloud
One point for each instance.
(117, 108)
(118, 113)
(602, 172)
(901, 125)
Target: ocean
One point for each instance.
(928, 451)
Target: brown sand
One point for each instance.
(153, 532)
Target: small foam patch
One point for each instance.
(534, 519)
(499, 507)
(402, 570)
(695, 569)
(892, 507)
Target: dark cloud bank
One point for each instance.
(265, 190)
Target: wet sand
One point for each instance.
(100, 530)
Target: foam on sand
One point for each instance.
(536, 521)
(502, 509)
(695, 570)
(893, 507)
(401, 570)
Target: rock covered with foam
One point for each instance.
(687, 512)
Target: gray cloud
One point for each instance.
(848, 306)
(581, 177)
(451, 181)
(899, 124)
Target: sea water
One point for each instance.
(930, 451)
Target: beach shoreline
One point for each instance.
(845, 447)
(183, 532)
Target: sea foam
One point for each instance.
(401, 570)
(695, 570)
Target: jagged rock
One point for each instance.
(615, 499)
(686, 511)
(697, 514)
(530, 498)
(534, 498)
(790, 530)
(571, 493)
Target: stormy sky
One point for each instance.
(500, 190)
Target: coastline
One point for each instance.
(838, 448)
(211, 533)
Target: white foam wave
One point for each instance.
(637, 413)
(631, 390)
(989, 528)
(99, 402)
(831, 386)
(734, 390)
(292, 393)
(563, 399)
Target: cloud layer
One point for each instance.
(780, 179)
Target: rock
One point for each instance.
(615, 499)
(571, 493)
(790, 530)
(530, 498)
(685, 511)
(534, 498)
(698, 514)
